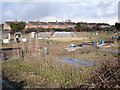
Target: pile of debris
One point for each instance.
(97, 44)
(107, 75)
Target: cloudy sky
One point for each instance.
(101, 11)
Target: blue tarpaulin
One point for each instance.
(9, 48)
(77, 62)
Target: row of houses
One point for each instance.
(61, 25)
(102, 25)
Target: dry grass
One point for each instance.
(45, 71)
(67, 39)
(107, 75)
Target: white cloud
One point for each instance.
(50, 18)
(109, 20)
(39, 0)
(100, 12)
(85, 10)
(110, 10)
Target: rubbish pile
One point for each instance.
(24, 39)
(72, 47)
(99, 43)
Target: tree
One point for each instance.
(78, 27)
(17, 26)
(117, 25)
(96, 28)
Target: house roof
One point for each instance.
(102, 24)
(8, 22)
(91, 23)
(70, 23)
(94, 23)
(53, 23)
(38, 23)
(43, 23)
(61, 23)
(83, 22)
(34, 23)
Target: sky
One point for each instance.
(91, 11)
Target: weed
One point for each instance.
(86, 52)
(28, 68)
(43, 73)
(68, 82)
(105, 54)
(116, 55)
(49, 75)
(97, 53)
(44, 68)
(51, 42)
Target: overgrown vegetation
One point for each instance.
(45, 71)
(51, 42)
(107, 75)
(117, 25)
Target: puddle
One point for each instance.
(77, 62)
(109, 50)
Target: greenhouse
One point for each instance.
(64, 34)
(44, 34)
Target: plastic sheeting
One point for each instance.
(64, 34)
(44, 34)
(6, 41)
(32, 34)
(77, 62)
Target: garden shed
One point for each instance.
(5, 36)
